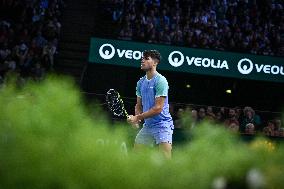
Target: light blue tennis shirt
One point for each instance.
(148, 90)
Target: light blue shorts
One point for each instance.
(149, 135)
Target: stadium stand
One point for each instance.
(256, 27)
(29, 35)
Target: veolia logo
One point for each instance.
(176, 62)
(105, 53)
(245, 66)
(176, 59)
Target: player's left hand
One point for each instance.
(133, 119)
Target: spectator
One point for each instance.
(181, 132)
(232, 120)
(250, 121)
(194, 118)
(48, 52)
(40, 41)
(201, 114)
(233, 127)
(219, 117)
(250, 129)
(210, 114)
(178, 121)
(278, 127)
(281, 132)
(38, 72)
(269, 129)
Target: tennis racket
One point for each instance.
(116, 105)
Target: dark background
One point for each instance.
(204, 90)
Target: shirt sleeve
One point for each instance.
(138, 88)
(162, 87)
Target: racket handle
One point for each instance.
(136, 126)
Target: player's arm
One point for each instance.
(138, 106)
(155, 110)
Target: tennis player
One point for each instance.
(152, 107)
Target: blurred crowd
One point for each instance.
(238, 120)
(29, 34)
(255, 27)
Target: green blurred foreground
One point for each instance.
(49, 139)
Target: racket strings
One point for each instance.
(115, 103)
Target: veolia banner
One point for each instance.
(191, 60)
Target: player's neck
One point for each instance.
(151, 73)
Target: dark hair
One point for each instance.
(154, 54)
